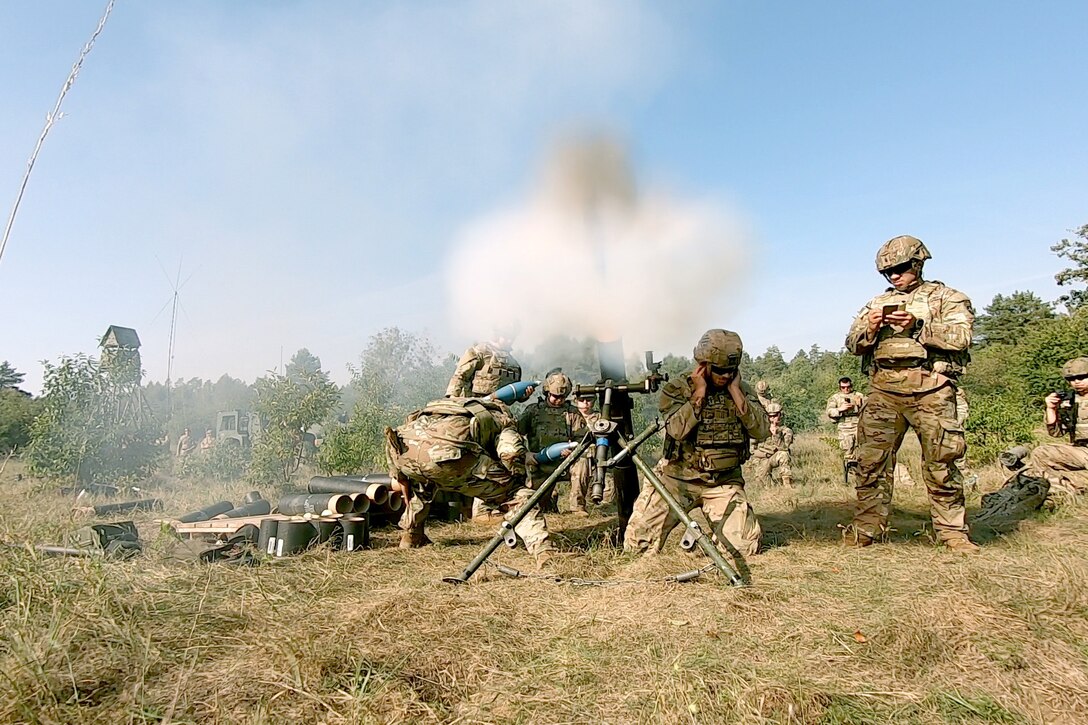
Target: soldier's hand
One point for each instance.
(699, 377)
(1053, 400)
(875, 319)
(900, 318)
(734, 385)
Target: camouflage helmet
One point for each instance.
(900, 250)
(761, 387)
(557, 383)
(773, 408)
(720, 348)
(1075, 368)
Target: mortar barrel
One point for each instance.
(220, 507)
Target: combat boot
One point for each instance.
(852, 536)
(414, 540)
(959, 543)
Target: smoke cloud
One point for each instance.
(588, 253)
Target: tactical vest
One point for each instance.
(551, 425)
(721, 443)
(499, 369)
(442, 430)
(1080, 434)
(901, 349)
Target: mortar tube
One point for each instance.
(208, 512)
(360, 504)
(254, 508)
(515, 519)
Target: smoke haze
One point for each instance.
(588, 252)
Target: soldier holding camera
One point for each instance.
(1065, 465)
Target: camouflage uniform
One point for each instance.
(1065, 465)
(543, 425)
(771, 457)
(704, 450)
(466, 446)
(584, 469)
(846, 424)
(763, 391)
(912, 376)
(484, 368)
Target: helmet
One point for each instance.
(899, 251)
(773, 408)
(761, 387)
(1075, 368)
(720, 348)
(557, 383)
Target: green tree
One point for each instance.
(9, 377)
(17, 413)
(1076, 251)
(398, 372)
(89, 427)
(290, 405)
(1008, 319)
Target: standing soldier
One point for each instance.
(771, 457)
(468, 446)
(583, 470)
(913, 340)
(710, 417)
(484, 368)
(186, 444)
(549, 420)
(844, 407)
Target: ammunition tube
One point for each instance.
(254, 508)
(266, 541)
(356, 532)
(315, 503)
(293, 536)
(252, 497)
(360, 504)
(206, 513)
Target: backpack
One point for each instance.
(435, 439)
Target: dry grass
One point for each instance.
(903, 632)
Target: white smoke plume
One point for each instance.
(589, 254)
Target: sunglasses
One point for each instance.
(1076, 377)
(722, 371)
(898, 269)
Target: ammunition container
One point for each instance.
(315, 503)
(292, 537)
(206, 513)
(360, 504)
(266, 541)
(254, 508)
(252, 497)
(325, 528)
(356, 533)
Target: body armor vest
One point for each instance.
(901, 349)
(1080, 434)
(551, 425)
(499, 369)
(721, 443)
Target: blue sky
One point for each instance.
(311, 166)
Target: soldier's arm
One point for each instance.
(675, 407)
(860, 340)
(952, 327)
(832, 409)
(755, 419)
(787, 438)
(461, 381)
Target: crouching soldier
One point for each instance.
(469, 446)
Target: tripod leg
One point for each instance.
(691, 528)
(506, 530)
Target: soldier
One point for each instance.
(763, 390)
(583, 470)
(913, 340)
(463, 445)
(549, 420)
(711, 415)
(771, 458)
(1065, 465)
(844, 407)
(207, 443)
(484, 368)
(186, 444)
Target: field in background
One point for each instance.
(902, 632)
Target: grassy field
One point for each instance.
(902, 632)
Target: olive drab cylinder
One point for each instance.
(375, 486)
(315, 504)
(360, 503)
(266, 540)
(254, 508)
(355, 533)
(252, 497)
(208, 512)
(325, 528)
(293, 536)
